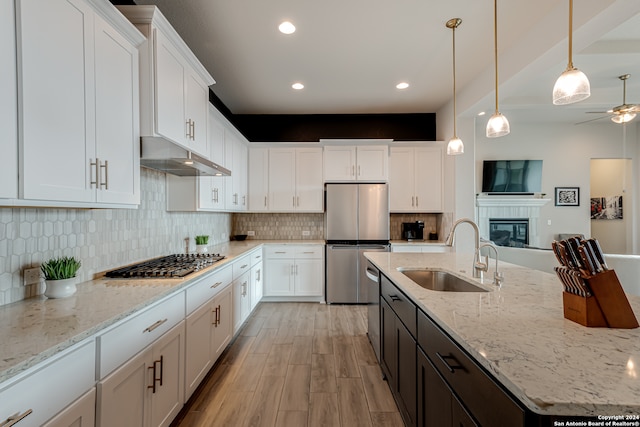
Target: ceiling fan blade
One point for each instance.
(592, 120)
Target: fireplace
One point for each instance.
(512, 232)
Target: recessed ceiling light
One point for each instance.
(297, 86)
(287, 28)
(402, 85)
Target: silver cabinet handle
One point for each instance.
(413, 201)
(94, 172)
(258, 275)
(281, 252)
(15, 418)
(298, 201)
(105, 167)
(353, 170)
(189, 128)
(244, 200)
(154, 326)
(293, 198)
(244, 288)
(416, 201)
(193, 130)
(358, 170)
(244, 265)
(215, 285)
(265, 201)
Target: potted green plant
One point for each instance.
(201, 244)
(60, 276)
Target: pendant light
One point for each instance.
(572, 85)
(498, 125)
(455, 145)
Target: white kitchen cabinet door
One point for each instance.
(372, 163)
(116, 100)
(402, 194)
(81, 413)
(428, 179)
(278, 280)
(241, 301)
(57, 81)
(196, 112)
(309, 185)
(309, 277)
(222, 330)
(339, 163)
(256, 284)
(170, 91)
(240, 169)
(123, 395)
(8, 102)
(282, 179)
(216, 135)
(258, 179)
(168, 362)
(198, 347)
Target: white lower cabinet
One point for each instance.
(36, 396)
(241, 300)
(147, 390)
(256, 285)
(294, 271)
(209, 330)
(416, 247)
(81, 413)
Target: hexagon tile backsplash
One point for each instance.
(101, 238)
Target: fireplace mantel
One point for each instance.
(510, 207)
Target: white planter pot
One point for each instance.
(60, 288)
(201, 249)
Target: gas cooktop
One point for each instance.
(171, 266)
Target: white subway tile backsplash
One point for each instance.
(101, 238)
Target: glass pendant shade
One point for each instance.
(497, 126)
(572, 86)
(455, 146)
(623, 118)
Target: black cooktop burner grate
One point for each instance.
(171, 266)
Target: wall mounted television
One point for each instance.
(512, 176)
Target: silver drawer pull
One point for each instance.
(15, 418)
(310, 252)
(281, 252)
(244, 266)
(215, 285)
(154, 326)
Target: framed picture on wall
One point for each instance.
(567, 196)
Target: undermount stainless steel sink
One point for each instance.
(437, 280)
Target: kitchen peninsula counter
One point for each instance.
(518, 333)
(37, 328)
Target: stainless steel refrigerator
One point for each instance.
(356, 221)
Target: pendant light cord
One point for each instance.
(454, 81)
(495, 44)
(570, 65)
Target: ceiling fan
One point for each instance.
(622, 113)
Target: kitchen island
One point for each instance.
(518, 334)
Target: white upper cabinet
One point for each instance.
(174, 84)
(258, 179)
(415, 179)
(294, 177)
(78, 103)
(8, 102)
(356, 163)
(237, 155)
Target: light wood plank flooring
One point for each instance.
(296, 365)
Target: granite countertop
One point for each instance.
(518, 333)
(418, 242)
(37, 328)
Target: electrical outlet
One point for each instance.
(251, 233)
(306, 233)
(31, 276)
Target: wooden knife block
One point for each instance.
(608, 307)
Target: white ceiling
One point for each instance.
(350, 54)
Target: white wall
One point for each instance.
(567, 151)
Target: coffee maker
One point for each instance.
(413, 231)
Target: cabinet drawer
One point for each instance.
(486, 400)
(308, 251)
(404, 308)
(241, 266)
(50, 386)
(138, 331)
(207, 287)
(274, 252)
(256, 257)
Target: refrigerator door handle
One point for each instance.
(372, 275)
(365, 247)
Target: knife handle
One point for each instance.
(586, 260)
(569, 256)
(592, 256)
(597, 250)
(556, 251)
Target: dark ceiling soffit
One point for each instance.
(313, 127)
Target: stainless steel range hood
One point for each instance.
(163, 155)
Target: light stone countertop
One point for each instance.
(418, 242)
(518, 333)
(37, 328)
